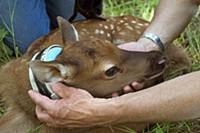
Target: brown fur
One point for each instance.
(86, 59)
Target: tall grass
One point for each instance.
(10, 28)
(140, 8)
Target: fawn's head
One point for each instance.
(97, 66)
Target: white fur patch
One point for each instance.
(76, 33)
(105, 26)
(140, 24)
(133, 21)
(108, 34)
(129, 27)
(107, 66)
(97, 31)
(101, 32)
(111, 26)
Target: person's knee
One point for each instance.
(25, 21)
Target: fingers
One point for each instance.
(62, 90)
(67, 92)
(126, 46)
(42, 115)
(137, 86)
(132, 46)
(41, 100)
(115, 94)
(128, 89)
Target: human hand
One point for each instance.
(76, 108)
(142, 45)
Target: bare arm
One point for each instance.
(170, 19)
(173, 100)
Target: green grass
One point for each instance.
(140, 8)
(189, 39)
(5, 52)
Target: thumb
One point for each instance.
(62, 90)
(131, 46)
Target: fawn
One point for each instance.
(89, 60)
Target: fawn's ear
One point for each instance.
(69, 33)
(52, 71)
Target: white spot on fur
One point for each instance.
(113, 19)
(138, 27)
(133, 21)
(129, 27)
(82, 33)
(140, 24)
(75, 32)
(121, 21)
(126, 23)
(64, 70)
(105, 26)
(97, 31)
(119, 41)
(111, 26)
(108, 34)
(122, 33)
(118, 28)
(101, 32)
(101, 25)
(85, 30)
(118, 23)
(108, 66)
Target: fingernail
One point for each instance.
(127, 89)
(30, 91)
(115, 94)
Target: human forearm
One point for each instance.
(173, 100)
(171, 17)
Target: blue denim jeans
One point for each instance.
(30, 19)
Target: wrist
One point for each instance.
(116, 110)
(148, 44)
(106, 111)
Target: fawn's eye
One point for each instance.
(112, 71)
